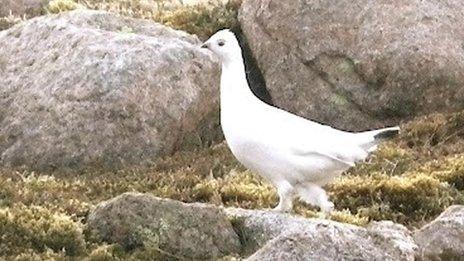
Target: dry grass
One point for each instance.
(10, 20)
(202, 19)
(412, 178)
(58, 6)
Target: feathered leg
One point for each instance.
(316, 196)
(285, 191)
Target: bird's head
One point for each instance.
(225, 45)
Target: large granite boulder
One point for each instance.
(362, 64)
(443, 238)
(90, 89)
(189, 231)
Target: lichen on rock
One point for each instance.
(164, 226)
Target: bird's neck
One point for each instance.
(238, 103)
(234, 86)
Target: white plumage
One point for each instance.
(296, 155)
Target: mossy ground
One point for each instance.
(410, 180)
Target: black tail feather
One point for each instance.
(387, 134)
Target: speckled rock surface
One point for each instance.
(192, 231)
(359, 65)
(257, 227)
(443, 238)
(93, 90)
(276, 236)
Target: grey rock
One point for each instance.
(257, 227)
(394, 238)
(192, 231)
(443, 238)
(278, 236)
(359, 65)
(93, 90)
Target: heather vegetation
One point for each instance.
(202, 18)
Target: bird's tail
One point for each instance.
(371, 138)
(386, 133)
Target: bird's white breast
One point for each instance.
(267, 140)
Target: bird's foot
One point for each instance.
(281, 209)
(285, 191)
(327, 208)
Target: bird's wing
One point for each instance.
(335, 160)
(341, 154)
(303, 137)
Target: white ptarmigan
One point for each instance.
(296, 155)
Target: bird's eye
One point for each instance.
(221, 43)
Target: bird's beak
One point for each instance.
(205, 45)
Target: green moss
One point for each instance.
(410, 198)
(38, 229)
(247, 190)
(410, 179)
(450, 170)
(345, 216)
(207, 191)
(58, 6)
(390, 159)
(434, 136)
(101, 251)
(105, 252)
(202, 20)
(229, 258)
(32, 255)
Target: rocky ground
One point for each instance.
(111, 150)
